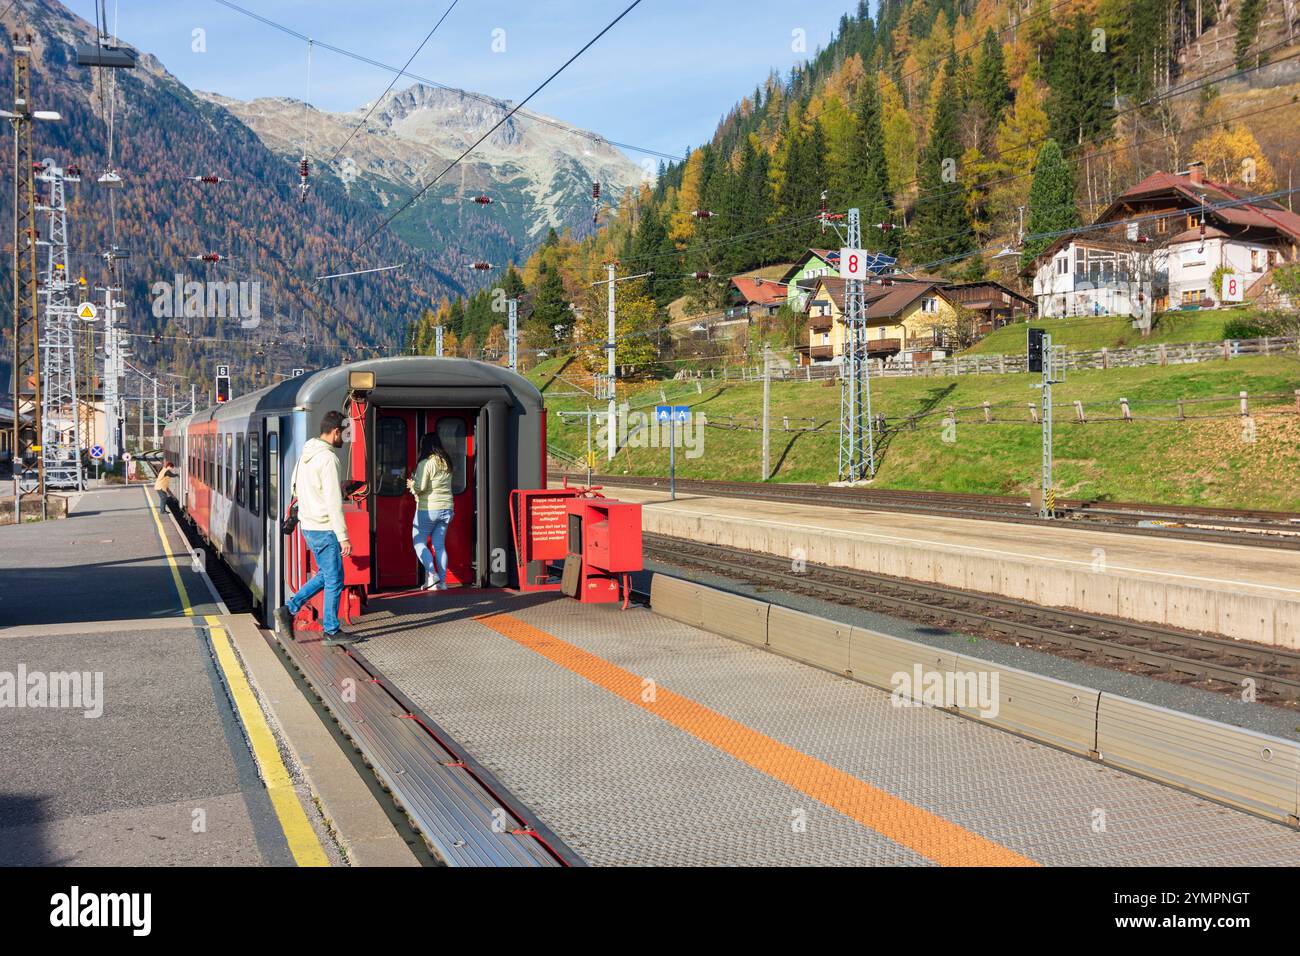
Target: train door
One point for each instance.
(456, 435)
(272, 573)
(394, 507)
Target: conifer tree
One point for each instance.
(941, 226)
(1051, 201)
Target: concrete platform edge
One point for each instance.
(1242, 768)
(347, 805)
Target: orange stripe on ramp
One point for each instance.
(933, 837)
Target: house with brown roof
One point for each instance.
(905, 320)
(1167, 257)
(755, 296)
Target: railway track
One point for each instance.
(1267, 529)
(1181, 657)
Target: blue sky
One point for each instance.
(661, 79)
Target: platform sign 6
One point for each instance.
(853, 264)
(223, 371)
(1234, 287)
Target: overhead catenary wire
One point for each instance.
(396, 76)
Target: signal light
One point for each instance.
(223, 389)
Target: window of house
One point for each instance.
(1254, 260)
(1062, 266)
(826, 338)
(1162, 226)
(1192, 296)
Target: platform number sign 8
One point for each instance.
(853, 264)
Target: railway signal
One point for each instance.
(222, 385)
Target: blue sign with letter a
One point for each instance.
(663, 413)
(682, 413)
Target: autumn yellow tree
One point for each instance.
(1233, 156)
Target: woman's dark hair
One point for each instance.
(430, 445)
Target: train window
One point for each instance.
(451, 433)
(254, 471)
(228, 488)
(390, 457)
(240, 468)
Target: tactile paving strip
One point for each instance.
(623, 786)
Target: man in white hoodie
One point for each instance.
(320, 512)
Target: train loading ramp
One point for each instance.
(580, 733)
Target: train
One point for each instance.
(235, 462)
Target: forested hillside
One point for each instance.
(945, 120)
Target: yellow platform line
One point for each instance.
(298, 832)
(171, 558)
(943, 841)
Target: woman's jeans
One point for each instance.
(430, 528)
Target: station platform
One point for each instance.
(159, 747)
(1234, 590)
(640, 740)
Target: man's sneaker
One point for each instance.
(339, 638)
(284, 617)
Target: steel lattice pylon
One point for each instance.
(857, 432)
(61, 438)
(29, 474)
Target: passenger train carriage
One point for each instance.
(235, 466)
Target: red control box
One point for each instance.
(604, 547)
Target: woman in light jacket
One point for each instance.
(431, 485)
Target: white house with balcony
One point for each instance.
(1158, 246)
(1096, 276)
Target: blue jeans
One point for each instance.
(162, 501)
(430, 527)
(329, 576)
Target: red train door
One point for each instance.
(394, 507)
(455, 431)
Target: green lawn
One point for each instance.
(1203, 462)
(1111, 331)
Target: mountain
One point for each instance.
(538, 172)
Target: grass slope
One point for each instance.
(1205, 462)
(1110, 331)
